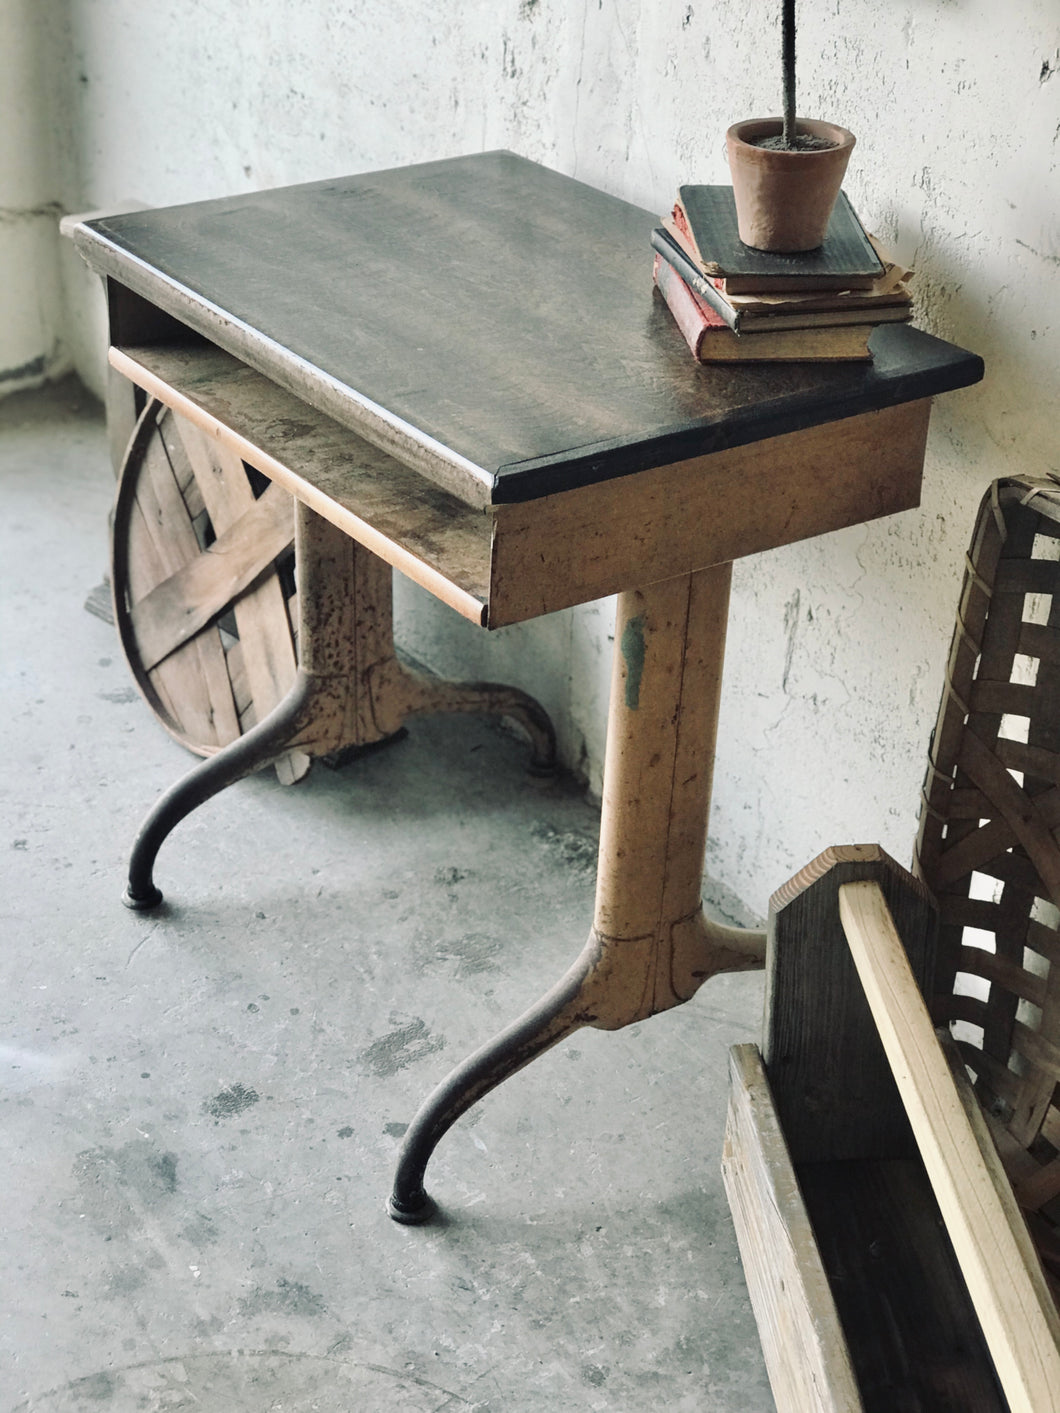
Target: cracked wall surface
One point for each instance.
(836, 646)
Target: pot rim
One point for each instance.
(740, 133)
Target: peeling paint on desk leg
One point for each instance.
(633, 652)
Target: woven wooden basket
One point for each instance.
(988, 842)
(202, 570)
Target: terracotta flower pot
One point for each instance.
(784, 199)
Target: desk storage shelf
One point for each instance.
(507, 562)
(435, 539)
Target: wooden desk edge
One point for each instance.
(141, 296)
(525, 559)
(464, 599)
(583, 544)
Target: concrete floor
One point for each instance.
(202, 1107)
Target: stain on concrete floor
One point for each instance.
(407, 1044)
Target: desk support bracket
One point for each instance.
(650, 947)
(350, 689)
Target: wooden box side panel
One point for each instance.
(805, 1351)
(578, 545)
(832, 1085)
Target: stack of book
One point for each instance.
(737, 304)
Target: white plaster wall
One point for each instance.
(31, 308)
(836, 646)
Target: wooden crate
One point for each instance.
(887, 1261)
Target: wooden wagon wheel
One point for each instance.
(203, 578)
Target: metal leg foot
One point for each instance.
(400, 691)
(144, 904)
(562, 1010)
(261, 745)
(494, 699)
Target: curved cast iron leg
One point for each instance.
(547, 1022)
(613, 983)
(650, 947)
(261, 745)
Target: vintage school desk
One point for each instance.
(459, 370)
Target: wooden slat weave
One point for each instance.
(989, 839)
(202, 571)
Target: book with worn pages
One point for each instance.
(711, 339)
(707, 215)
(887, 300)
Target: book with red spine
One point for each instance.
(711, 340)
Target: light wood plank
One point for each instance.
(805, 1351)
(179, 606)
(183, 471)
(145, 569)
(1000, 1266)
(260, 612)
(196, 676)
(240, 686)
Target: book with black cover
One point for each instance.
(846, 260)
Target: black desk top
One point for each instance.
(492, 314)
